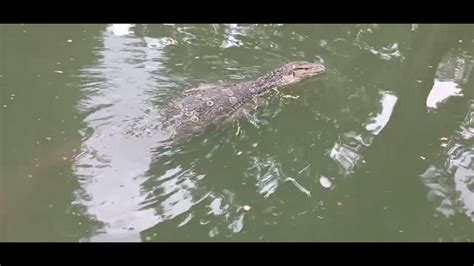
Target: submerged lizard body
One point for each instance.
(199, 108)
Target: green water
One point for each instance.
(380, 148)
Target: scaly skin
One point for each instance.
(202, 107)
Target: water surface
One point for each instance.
(380, 148)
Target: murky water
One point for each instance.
(380, 148)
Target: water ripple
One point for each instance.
(452, 184)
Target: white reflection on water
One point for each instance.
(120, 29)
(451, 185)
(112, 165)
(347, 150)
(231, 35)
(452, 73)
(387, 103)
(268, 174)
(441, 91)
